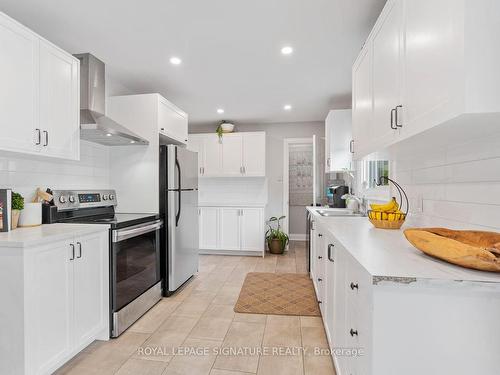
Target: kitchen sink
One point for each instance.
(330, 212)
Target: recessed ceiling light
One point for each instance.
(175, 60)
(287, 50)
(109, 135)
(287, 107)
(220, 110)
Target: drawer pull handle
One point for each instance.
(320, 235)
(319, 302)
(354, 286)
(320, 279)
(353, 332)
(320, 257)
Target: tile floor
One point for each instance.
(216, 341)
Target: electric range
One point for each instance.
(134, 244)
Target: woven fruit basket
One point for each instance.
(391, 217)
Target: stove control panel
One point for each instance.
(75, 199)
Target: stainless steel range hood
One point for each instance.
(94, 125)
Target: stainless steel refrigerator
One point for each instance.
(179, 209)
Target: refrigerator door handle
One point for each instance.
(178, 214)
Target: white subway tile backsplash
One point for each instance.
(459, 183)
(24, 173)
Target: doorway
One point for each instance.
(298, 185)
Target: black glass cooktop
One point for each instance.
(117, 220)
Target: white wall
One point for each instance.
(458, 185)
(275, 133)
(24, 173)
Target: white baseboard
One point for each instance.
(297, 237)
(230, 252)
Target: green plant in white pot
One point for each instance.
(275, 237)
(17, 205)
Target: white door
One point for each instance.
(172, 122)
(196, 144)
(59, 102)
(18, 87)
(212, 156)
(254, 154)
(230, 228)
(252, 234)
(362, 101)
(90, 280)
(232, 147)
(387, 66)
(209, 227)
(51, 306)
(432, 52)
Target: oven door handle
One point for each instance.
(123, 234)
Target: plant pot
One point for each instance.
(14, 218)
(275, 246)
(227, 127)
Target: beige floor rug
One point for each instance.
(277, 294)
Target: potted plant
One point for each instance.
(275, 237)
(224, 127)
(17, 205)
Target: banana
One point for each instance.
(391, 206)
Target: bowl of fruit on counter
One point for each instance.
(390, 215)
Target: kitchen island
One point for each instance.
(390, 309)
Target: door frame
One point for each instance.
(286, 165)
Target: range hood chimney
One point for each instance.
(94, 125)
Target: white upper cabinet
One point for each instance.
(59, 96)
(19, 88)
(386, 65)
(362, 101)
(232, 155)
(235, 155)
(427, 65)
(212, 156)
(254, 154)
(172, 122)
(339, 143)
(39, 95)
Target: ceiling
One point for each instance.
(230, 50)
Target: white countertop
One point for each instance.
(387, 253)
(46, 233)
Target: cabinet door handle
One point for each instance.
(328, 162)
(351, 146)
(203, 168)
(354, 286)
(72, 251)
(79, 249)
(330, 247)
(320, 257)
(353, 332)
(244, 170)
(392, 119)
(320, 279)
(38, 136)
(398, 125)
(320, 235)
(320, 302)
(46, 138)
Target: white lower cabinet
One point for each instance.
(232, 229)
(66, 302)
(343, 289)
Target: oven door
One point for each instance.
(135, 262)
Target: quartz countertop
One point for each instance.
(386, 254)
(46, 233)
